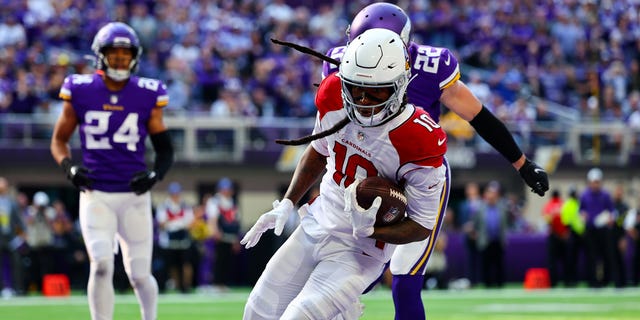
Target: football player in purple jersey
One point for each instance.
(115, 111)
(436, 80)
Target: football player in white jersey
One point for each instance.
(436, 81)
(364, 127)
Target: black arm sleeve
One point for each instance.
(492, 130)
(164, 153)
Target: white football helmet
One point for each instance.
(377, 58)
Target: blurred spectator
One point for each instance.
(617, 78)
(479, 88)
(506, 80)
(464, 220)
(23, 204)
(557, 240)
(597, 207)
(632, 227)
(458, 130)
(232, 103)
(489, 231)
(11, 242)
(145, 24)
(546, 130)
(522, 116)
(24, 100)
(208, 77)
(633, 121)
(611, 108)
(326, 21)
(63, 239)
(554, 82)
(12, 32)
(436, 269)
(570, 216)
(619, 237)
(174, 217)
(202, 257)
(441, 24)
(224, 221)
(516, 220)
(187, 49)
(277, 12)
(38, 221)
(179, 80)
(567, 31)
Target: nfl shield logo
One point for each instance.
(114, 99)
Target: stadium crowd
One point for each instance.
(217, 59)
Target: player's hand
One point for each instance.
(77, 174)
(362, 220)
(274, 219)
(143, 181)
(535, 177)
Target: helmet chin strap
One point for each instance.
(373, 119)
(118, 75)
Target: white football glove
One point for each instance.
(362, 220)
(274, 219)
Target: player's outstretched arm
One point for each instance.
(459, 99)
(273, 219)
(307, 172)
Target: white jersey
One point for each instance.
(408, 149)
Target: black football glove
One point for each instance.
(77, 174)
(535, 177)
(143, 181)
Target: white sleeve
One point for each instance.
(212, 211)
(630, 219)
(161, 213)
(424, 188)
(188, 216)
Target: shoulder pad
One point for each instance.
(329, 97)
(420, 140)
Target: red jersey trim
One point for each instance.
(329, 95)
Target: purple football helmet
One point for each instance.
(380, 15)
(116, 35)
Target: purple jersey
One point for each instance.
(433, 69)
(594, 203)
(113, 125)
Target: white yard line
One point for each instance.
(554, 308)
(496, 295)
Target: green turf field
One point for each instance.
(505, 304)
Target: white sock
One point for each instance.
(100, 290)
(147, 293)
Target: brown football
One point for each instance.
(394, 202)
